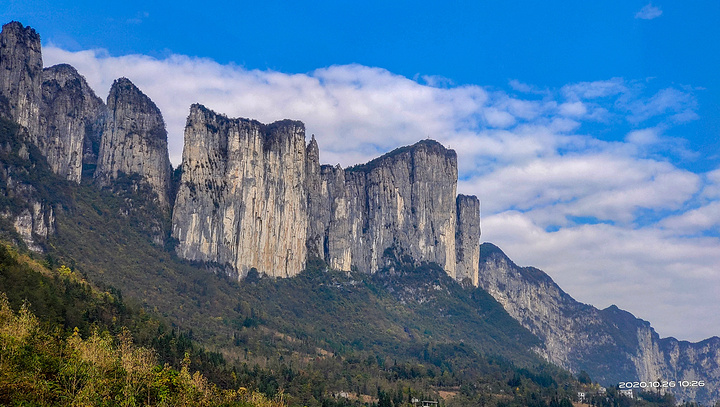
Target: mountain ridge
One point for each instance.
(574, 334)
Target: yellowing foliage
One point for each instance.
(49, 369)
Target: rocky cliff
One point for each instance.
(134, 141)
(59, 112)
(467, 245)
(76, 132)
(404, 201)
(21, 75)
(611, 344)
(255, 196)
(23, 203)
(251, 195)
(71, 122)
(242, 200)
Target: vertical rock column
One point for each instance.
(134, 141)
(243, 197)
(467, 238)
(21, 75)
(71, 122)
(317, 202)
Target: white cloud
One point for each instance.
(679, 103)
(643, 136)
(648, 12)
(604, 185)
(498, 118)
(524, 157)
(573, 109)
(696, 221)
(593, 90)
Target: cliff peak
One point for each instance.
(134, 141)
(20, 75)
(428, 145)
(66, 69)
(17, 29)
(71, 122)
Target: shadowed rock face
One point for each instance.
(71, 122)
(21, 75)
(134, 141)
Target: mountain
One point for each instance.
(134, 141)
(385, 257)
(253, 195)
(610, 344)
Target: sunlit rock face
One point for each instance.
(255, 196)
(242, 200)
(134, 141)
(404, 201)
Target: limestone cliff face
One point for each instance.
(404, 200)
(21, 75)
(57, 109)
(242, 200)
(35, 224)
(467, 239)
(71, 123)
(255, 196)
(134, 141)
(611, 344)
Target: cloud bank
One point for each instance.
(610, 218)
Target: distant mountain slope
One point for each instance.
(611, 344)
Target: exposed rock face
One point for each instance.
(467, 242)
(242, 200)
(134, 141)
(611, 344)
(255, 196)
(71, 123)
(26, 207)
(404, 200)
(21, 75)
(33, 223)
(59, 112)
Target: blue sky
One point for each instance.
(589, 130)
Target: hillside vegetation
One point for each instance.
(45, 363)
